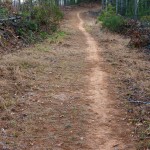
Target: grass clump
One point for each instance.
(28, 24)
(57, 37)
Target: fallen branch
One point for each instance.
(10, 19)
(140, 102)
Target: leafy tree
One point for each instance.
(130, 8)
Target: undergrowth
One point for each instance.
(44, 21)
(137, 30)
(110, 20)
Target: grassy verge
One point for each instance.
(129, 72)
(15, 70)
(130, 76)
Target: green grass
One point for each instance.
(57, 37)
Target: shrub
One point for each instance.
(114, 23)
(37, 25)
(47, 16)
(25, 26)
(32, 25)
(43, 35)
(107, 13)
(3, 12)
(110, 20)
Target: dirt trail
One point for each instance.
(103, 136)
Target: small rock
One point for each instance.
(81, 138)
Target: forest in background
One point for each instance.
(130, 8)
(33, 20)
(129, 17)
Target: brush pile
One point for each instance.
(9, 40)
(19, 28)
(139, 33)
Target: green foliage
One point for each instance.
(110, 20)
(25, 14)
(25, 27)
(20, 32)
(48, 16)
(43, 35)
(40, 15)
(42, 21)
(57, 37)
(114, 23)
(32, 25)
(145, 18)
(107, 13)
(3, 12)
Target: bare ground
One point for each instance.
(57, 96)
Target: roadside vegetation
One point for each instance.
(28, 22)
(129, 76)
(42, 105)
(131, 19)
(110, 20)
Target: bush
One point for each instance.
(25, 26)
(47, 16)
(107, 13)
(36, 26)
(110, 20)
(32, 25)
(114, 23)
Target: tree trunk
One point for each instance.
(117, 4)
(136, 9)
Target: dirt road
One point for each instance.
(60, 96)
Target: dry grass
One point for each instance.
(41, 103)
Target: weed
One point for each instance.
(13, 123)
(15, 134)
(43, 35)
(26, 65)
(57, 37)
